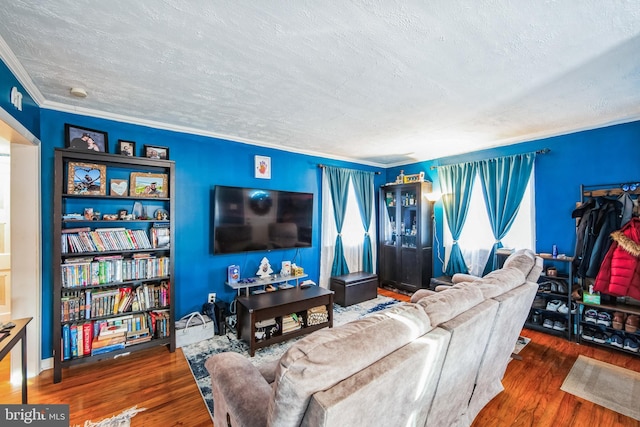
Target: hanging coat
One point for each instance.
(599, 217)
(619, 273)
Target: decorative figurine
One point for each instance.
(264, 271)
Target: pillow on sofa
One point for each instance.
(328, 356)
(500, 281)
(444, 306)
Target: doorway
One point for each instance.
(21, 237)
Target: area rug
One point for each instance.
(198, 353)
(122, 419)
(604, 384)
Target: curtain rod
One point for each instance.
(542, 151)
(321, 166)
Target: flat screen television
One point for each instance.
(253, 219)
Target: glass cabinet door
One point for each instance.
(409, 218)
(389, 230)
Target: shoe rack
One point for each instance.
(612, 325)
(553, 310)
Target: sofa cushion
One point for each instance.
(443, 306)
(326, 357)
(525, 261)
(498, 282)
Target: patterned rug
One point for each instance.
(122, 419)
(606, 385)
(198, 353)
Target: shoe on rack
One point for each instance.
(559, 325)
(562, 288)
(576, 293)
(564, 309)
(554, 305)
(544, 287)
(604, 318)
(632, 323)
(600, 337)
(591, 316)
(548, 323)
(616, 341)
(539, 302)
(631, 345)
(588, 333)
(618, 320)
(536, 317)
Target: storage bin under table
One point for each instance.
(354, 288)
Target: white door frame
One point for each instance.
(26, 277)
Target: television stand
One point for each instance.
(255, 282)
(275, 305)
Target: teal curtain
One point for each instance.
(338, 186)
(456, 182)
(363, 185)
(504, 181)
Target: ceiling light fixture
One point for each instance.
(79, 92)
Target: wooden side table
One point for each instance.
(17, 333)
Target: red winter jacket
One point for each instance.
(619, 273)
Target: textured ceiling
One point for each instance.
(380, 82)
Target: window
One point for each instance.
(352, 234)
(476, 239)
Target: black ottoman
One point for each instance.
(354, 288)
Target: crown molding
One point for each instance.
(58, 106)
(11, 61)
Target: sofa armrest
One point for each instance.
(240, 393)
(268, 370)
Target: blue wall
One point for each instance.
(608, 155)
(605, 155)
(29, 117)
(201, 163)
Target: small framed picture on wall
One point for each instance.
(262, 167)
(156, 152)
(126, 148)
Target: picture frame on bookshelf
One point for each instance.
(148, 184)
(119, 187)
(81, 138)
(87, 179)
(156, 152)
(126, 148)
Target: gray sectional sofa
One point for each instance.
(436, 361)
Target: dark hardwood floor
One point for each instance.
(162, 383)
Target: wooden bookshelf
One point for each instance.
(111, 271)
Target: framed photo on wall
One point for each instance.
(86, 179)
(262, 167)
(156, 152)
(148, 184)
(80, 138)
(126, 148)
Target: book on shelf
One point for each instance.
(107, 349)
(100, 342)
(110, 330)
(160, 235)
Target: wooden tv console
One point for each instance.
(274, 305)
